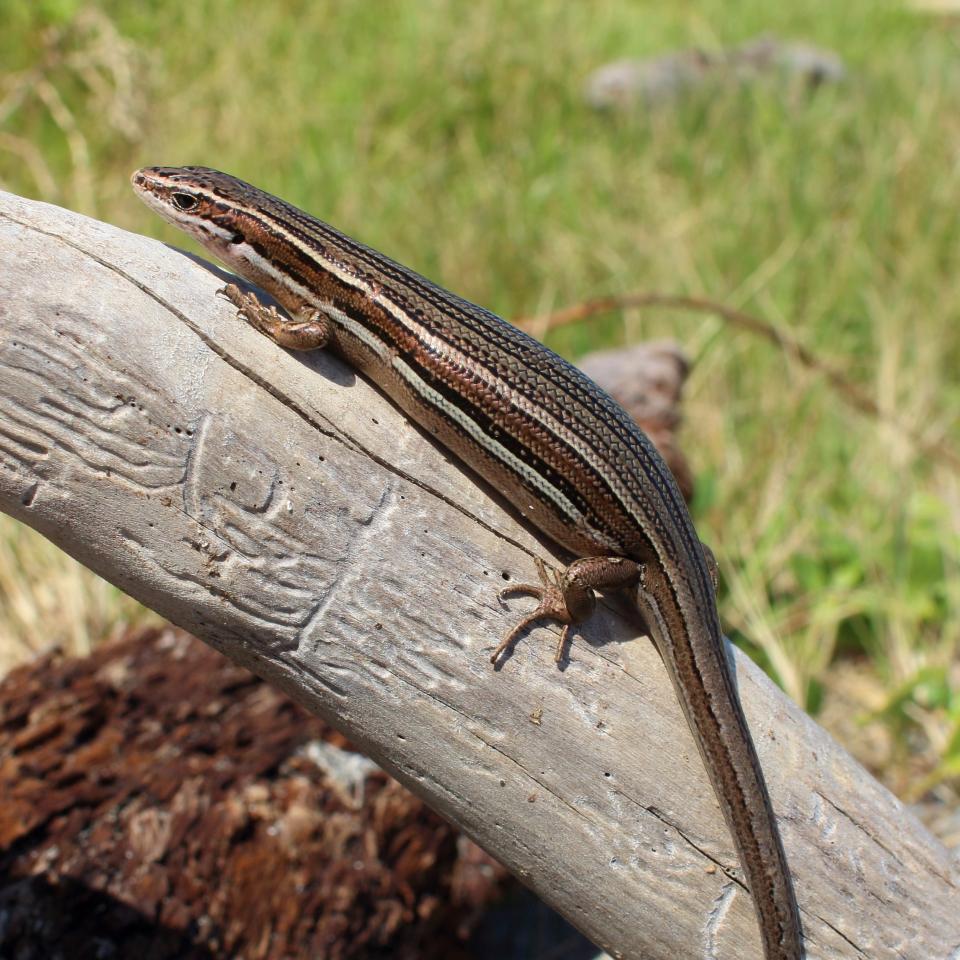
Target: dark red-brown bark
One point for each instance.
(158, 802)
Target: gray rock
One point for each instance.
(656, 80)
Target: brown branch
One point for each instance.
(848, 391)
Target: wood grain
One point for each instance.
(279, 508)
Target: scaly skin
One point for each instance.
(569, 459)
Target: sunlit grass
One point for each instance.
(49, 600)
(453, 136)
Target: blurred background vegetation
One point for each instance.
(454, 136)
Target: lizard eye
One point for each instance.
(184, 201)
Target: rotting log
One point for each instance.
(282, 510)
(189, 811)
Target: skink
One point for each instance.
(554, 444)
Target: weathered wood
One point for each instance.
(282, 510)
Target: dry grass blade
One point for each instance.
(109, 68)
(848, 391)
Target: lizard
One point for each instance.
(560, 450)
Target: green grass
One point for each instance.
(452, 135)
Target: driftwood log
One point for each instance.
(280, 509)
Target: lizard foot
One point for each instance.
(552, 606)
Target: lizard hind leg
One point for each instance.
(552, 606)
(568, 598)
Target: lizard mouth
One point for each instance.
(152, 190)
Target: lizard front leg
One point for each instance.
(308, 330)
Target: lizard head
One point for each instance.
(205, 203)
